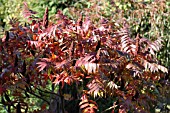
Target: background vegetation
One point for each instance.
(149, 18)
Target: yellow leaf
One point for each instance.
(67, 96)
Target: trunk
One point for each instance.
(57, 103)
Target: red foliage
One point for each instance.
(114, 63)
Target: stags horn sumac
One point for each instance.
(89, 61)
(45, 18)
(27, 13)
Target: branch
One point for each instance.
(35, 95)
(45, 91)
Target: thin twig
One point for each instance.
(35, 95)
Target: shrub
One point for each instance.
(87, 61)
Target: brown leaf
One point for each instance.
(45, 18)
(84, 105)
(42, 65)
(27, 13)
(98, 54)
(137, 44)
(71, 50)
